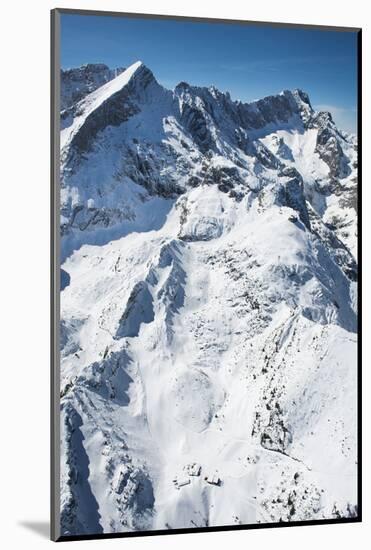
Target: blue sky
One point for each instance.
(249, 61)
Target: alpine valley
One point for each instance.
(208, 331)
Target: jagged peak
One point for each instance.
(183, 86)
(299, 95)
(298, 98)
(137, 75)
(303, 96)
(133, 69)
(87, 67)
(78, 82)
(201, 90)
(137, 71)
(324, 117)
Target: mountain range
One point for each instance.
(208, 307)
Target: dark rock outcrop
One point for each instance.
(78, 82)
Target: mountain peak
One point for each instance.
(78, 82)
(302, 96)
(139, 73)
(86, 67)
(135, 66)
(123, 78)
(111, 104)
(206, 261)
(300, 103)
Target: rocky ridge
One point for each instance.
(209, 308)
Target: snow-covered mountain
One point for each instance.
(208, 309)
(81, 81)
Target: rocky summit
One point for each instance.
(208, 307)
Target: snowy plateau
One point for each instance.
(208, 332)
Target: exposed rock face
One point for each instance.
(139, 310)
(209, 309)
(119, 107)
(291, 194)
(79, 82)
(194, 112)
(212, 125)
(328, 145)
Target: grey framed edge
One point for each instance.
(55, 278)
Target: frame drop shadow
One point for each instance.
(41, 528)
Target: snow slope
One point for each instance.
(81, 81)
(208, 312)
